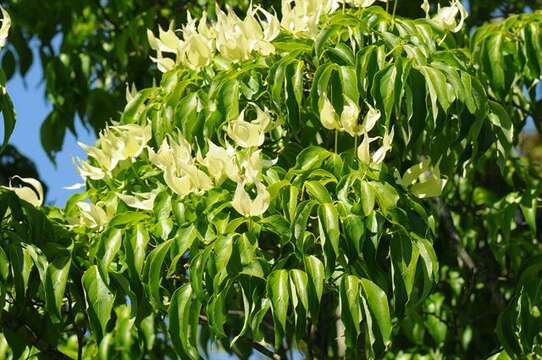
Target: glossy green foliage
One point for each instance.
(89, 50)
(385, 205)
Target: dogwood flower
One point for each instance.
(117, 143)
(252, 164)
(92, 215)
(380, 153)
(142, 201)
(349, 118)
(378, 156)
(191, 179)
(371, 118)
(446, 16)
(31, 192)
(426, 7)
(364, 154)
(198, 45)
(328, 115)
(172, 156)
(248, 207)
(88, 171)
(181, 174)
(249, 134)
(423, 180)
(167, 42)
(221, 163)
(301, 17)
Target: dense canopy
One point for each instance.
(335, 179)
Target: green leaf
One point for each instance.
(135, 247)
(179, 326)
(316, 273)
(297, 82)
(6, 107)
(378, 304)
(317, 191)
(383, 90)
(435, 82)
(311, 158)
(367, 197)
(528, 205)
(99, 301)
(386, 195)
(182, 242)
(329, 219)
(354, 227)
(128, 218)
(351, 307)
(109, 247)
(52, 133)
(495, 60)
(153, 273)
(56, 277)
(300, 280)
(278, 289)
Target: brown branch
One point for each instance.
(447, 222)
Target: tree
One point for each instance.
(337, 180)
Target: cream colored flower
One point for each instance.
(249, 134)
(200, 180)
(245, 205)
(220, 163)
(328, 115)
(371, 118)
(446, 16)
(181, 185)
(349, 118)
(172, 156)
(364, 155)
(31, 192)
(88, 171)
(142, 201)
(191, 179)
(4, 29)
(92, 215)
(380, 153)
(426, 7)
(118, 143)
(134, 138)
(236, 39)
(301, 17)
(252, 165)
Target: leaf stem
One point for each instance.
(336, 140)
(355, 143)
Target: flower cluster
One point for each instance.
(184, 170)
(116, 143)
(232, 38)
(236, 39)
(447, 16)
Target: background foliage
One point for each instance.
(345, 259)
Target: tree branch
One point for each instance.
(449, 227)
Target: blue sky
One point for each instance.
(31, 109)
